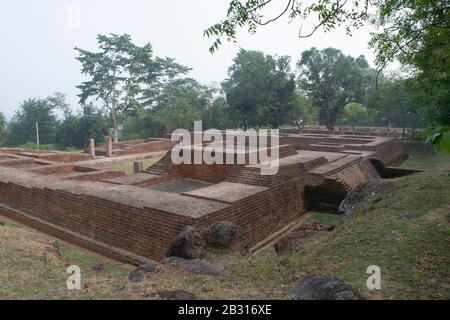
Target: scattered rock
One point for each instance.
(200, 266)
(221, 234)
(139, 274)
(176, 295)
(323, 288)
(2, 223)
(189, 244)
(294, 239)
(98, 267)
(360, 195)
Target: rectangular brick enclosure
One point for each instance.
(134, 218)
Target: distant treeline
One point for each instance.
(131, 94)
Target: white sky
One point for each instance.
(37, 56)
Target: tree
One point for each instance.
(395, 103)
(260, 90)
(123, 76)
(250, 14)
(76, 130)
(217, 115)
(2, 127)
(332, 80)
(22, 128)
(181, 103)
(303, 112)
(414, 32)
(356, 114)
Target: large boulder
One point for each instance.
(200, 266)
(139, 274)
(189, 244)
(361, 194)
(221, 234)
(323, 288)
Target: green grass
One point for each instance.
(86, 260)
(324, 218)
(50, 147)
(127, 167)
(431, 159)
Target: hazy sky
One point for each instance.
(38, 37)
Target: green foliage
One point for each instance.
(76, 130)
(355, 114)
(396, 103)
(2, 128)
(332, 80)
(22, 127)
(124, 76)
(260, 90)
(438, 136)
(249, 13)
(414, 32)
(302, 113)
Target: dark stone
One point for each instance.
(2, 223)
(221, 234)
(98, 267)
(139, 274)
(200, 266)
(323, 288)
(176, 295)
(189, 244)
(361, 194)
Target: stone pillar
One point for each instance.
(109, 147)
(138, 166)
(91, 147)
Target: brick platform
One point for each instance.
(134, 218)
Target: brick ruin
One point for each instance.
(134, 218)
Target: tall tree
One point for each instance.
(332, 80)
(181, 103)
(260, 89)
(75, 130)
(123, 74)
(22, 128)
(395, 103)
(356, 114)
(303, 112)
(2, 127)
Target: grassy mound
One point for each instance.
(405, 231)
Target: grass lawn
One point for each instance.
(127, 167)
(428, 158)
